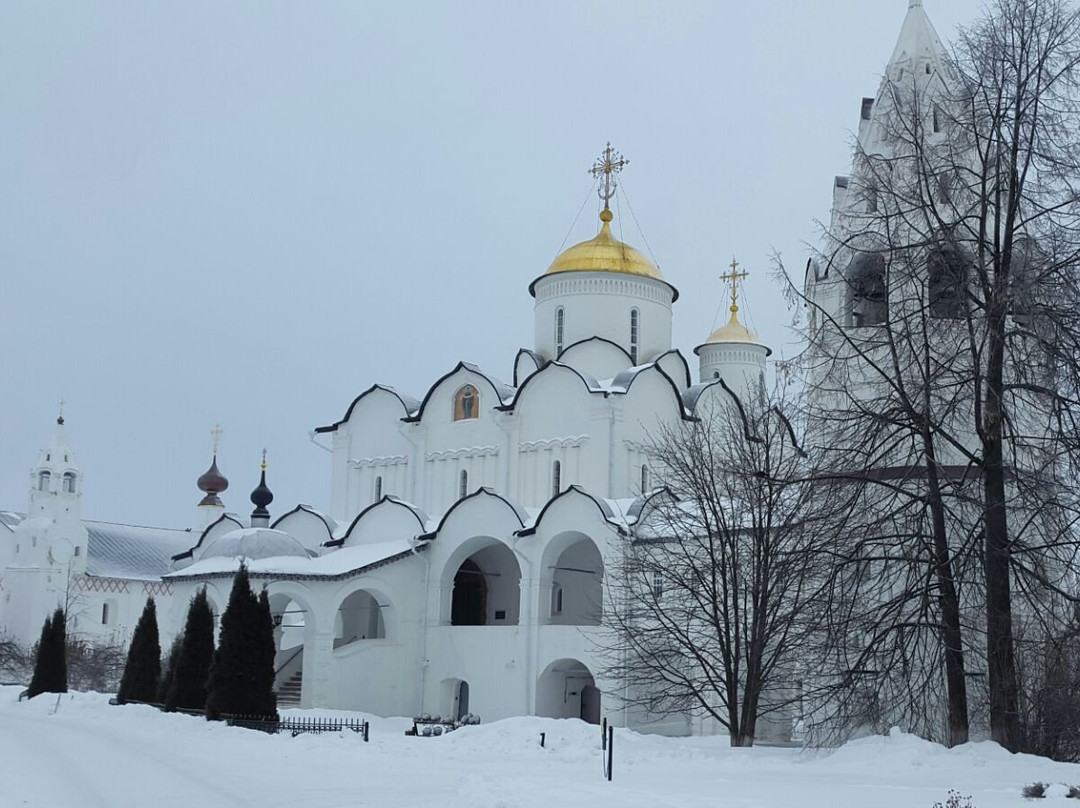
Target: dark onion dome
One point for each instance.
(261, 497)
(212, 483)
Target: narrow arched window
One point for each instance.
(644, 479)
(635, 328)
(869, 291)
(560, 327)
(466, 403)
(104, 614)
(378, 488)
(69, 482)
(556, 478)
(44, 481)
(556, 600)
(463, 484)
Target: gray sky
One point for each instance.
(247, 213)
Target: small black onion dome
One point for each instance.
(261, 497)
(213, 481)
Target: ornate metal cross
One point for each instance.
(734, 277)
(606, 166)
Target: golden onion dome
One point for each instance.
(604, 253)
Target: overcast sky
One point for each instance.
(248, 213)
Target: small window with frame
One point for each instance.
(466, 403)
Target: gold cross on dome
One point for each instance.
(264, 460)
(606, 166)
(215, 433)
(60, 418)
(734, 277)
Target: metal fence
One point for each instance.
(296, 726)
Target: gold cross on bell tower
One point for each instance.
(606, 166)
(215, 433)
(733, 278)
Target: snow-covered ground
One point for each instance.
(81, 752)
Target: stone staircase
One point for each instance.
(288, 695)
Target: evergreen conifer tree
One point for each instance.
(187, 688)
(143, 668)
(264, 672)
(50, 662)
(168, 667)
(242, 678)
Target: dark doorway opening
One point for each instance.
(469, 604)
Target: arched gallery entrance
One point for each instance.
(291, 626)
(573, 588)
(360, 617)
(567, 689)
(485, 588)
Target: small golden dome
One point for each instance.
(733, 331)
(604, 253)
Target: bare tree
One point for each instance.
(716, 603)
(946, 324)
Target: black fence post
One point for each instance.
(367, 728)
(542, 736)
(603, 735)
(610, 750)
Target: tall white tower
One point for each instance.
(50, 543)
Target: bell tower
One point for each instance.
(50, 544)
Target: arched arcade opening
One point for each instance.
(359, 617)
(293, 623)
(484, 587)
(573, 584)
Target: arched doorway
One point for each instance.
(469, 605)
(485, 589)
(462, 700)
(567, 689)
(360, 617)
(455, 698)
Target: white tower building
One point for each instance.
(49, 545)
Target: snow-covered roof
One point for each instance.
(132, 551)
(114, 550)
(338, 564)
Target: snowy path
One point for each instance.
(89, 767)
(90, 754)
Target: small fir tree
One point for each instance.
(50, 662)
(168, 667)
(187, 689)
(143, 668)
(242, 677)
(264, 673)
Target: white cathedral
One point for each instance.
(460, 568)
